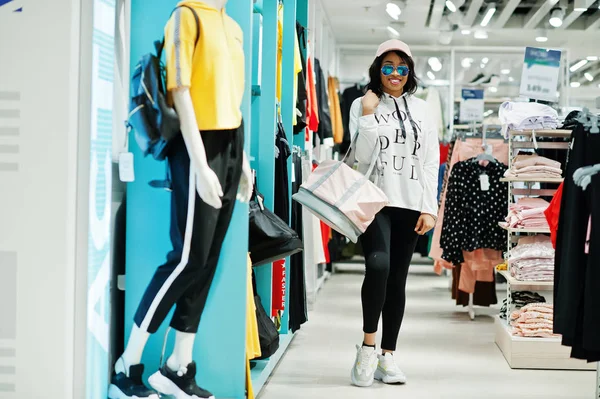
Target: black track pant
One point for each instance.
(197, 234)
(388, 245)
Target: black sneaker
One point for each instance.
(124, 387)
(181, 384)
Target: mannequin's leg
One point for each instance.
(182, 352)
(133, 351)
(224, 151)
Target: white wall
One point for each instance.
(39, 100)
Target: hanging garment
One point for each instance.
(301, 93)
(282, 196)
(252, 337)
(460, 151)
(296, 279)
(312, 112)
(325, 130)
(577, 276)
(553, 212)
(336, 111)
(348, 97)
(472, 213)
(434, 102)
(444, 149)
(483, 295)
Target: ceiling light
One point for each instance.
(577, 66)
(482, 65)
(485, 60)
(450, 5)
(393, 10)
(589, 76)
(494, 89)
(393, 31)
(511, 79)
(466, 62)
(556, 17)
(592, 58)
(445, 38)
(435, 64)
(575, 84)
(466, 31)
(430, 75)
(481, 34)
(505, 71)
(580, 5)
(542, 36)
(489, 14)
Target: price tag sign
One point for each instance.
(471, 105)
(539, 79)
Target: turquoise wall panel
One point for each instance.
(265, 136)
(288, 108)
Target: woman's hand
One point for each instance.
(425, 224)
(370, 102)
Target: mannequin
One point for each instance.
(185, 279)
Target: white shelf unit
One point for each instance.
(532, 353)
(536, 353)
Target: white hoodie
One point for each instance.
(407, 169)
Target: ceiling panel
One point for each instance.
(423, 22)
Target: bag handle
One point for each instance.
(161, 45)
(349, 157)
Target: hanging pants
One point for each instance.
(197, 234)
(388, 245)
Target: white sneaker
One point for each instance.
(388, 371)
(363, 372)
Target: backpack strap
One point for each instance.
(161, 45)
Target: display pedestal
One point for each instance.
(536, 353)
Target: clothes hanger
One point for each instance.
(583, 176)
(589, 120)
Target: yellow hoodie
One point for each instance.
(213, 68)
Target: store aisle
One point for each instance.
(444, 354)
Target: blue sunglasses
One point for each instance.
(387, 70)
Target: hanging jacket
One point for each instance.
(408, 165)
(325, 130)
(336, 110)
(302, 95)
(312, 111)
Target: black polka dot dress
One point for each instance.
(472, 214)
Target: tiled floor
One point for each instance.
(444, 354)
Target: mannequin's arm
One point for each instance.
(207, 183)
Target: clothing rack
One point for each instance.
(520, 352)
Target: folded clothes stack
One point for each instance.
(534, 166)
(532, 259)
(520, 299)
(525, 116)
(528, 213)
(533, 320)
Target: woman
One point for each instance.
(390, 120)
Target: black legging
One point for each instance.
(388, 245)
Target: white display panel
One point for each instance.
(39, 175)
